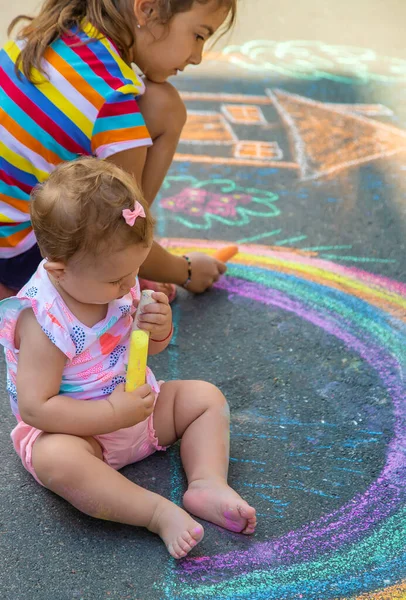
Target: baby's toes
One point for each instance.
(196, 534)
(249, 513)
(183, 544)
(175, 550)
(249, 529)
(190, 541)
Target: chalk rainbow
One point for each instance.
(359, 550)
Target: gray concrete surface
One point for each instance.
(317, 425)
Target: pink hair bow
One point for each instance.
(131, 216)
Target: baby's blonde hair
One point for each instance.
(77, 212)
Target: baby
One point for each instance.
(66, 335)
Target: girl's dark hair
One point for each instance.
(114, 19)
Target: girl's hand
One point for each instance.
(206, 270)
(131, 408)
(156, 317)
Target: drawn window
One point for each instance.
(244, 114)
(258, 150)
(207, 128)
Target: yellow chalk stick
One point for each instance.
(137, 361)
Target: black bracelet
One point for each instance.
(189, 272)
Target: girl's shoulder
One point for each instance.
(95, 61)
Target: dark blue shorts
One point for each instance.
(16, 271)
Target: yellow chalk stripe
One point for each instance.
(318, 274)
(396, 592)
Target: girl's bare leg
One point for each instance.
(198, 413)
(165, 115)
(73, 468)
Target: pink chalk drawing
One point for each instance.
(201, 203)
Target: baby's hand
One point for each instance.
(157, 317)
(134, 407)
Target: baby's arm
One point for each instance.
(39, 376)
(156, 347)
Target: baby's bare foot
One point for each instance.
(215, 501)
(177, 529)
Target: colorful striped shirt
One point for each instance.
(86, 105)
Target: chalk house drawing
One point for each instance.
(323, 138)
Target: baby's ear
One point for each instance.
(56, 269)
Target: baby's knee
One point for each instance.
(54, 465)
(215, 398)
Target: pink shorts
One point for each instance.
(120, 448)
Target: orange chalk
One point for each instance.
(224, 254)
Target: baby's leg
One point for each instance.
(198, 413)
(73, 468)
